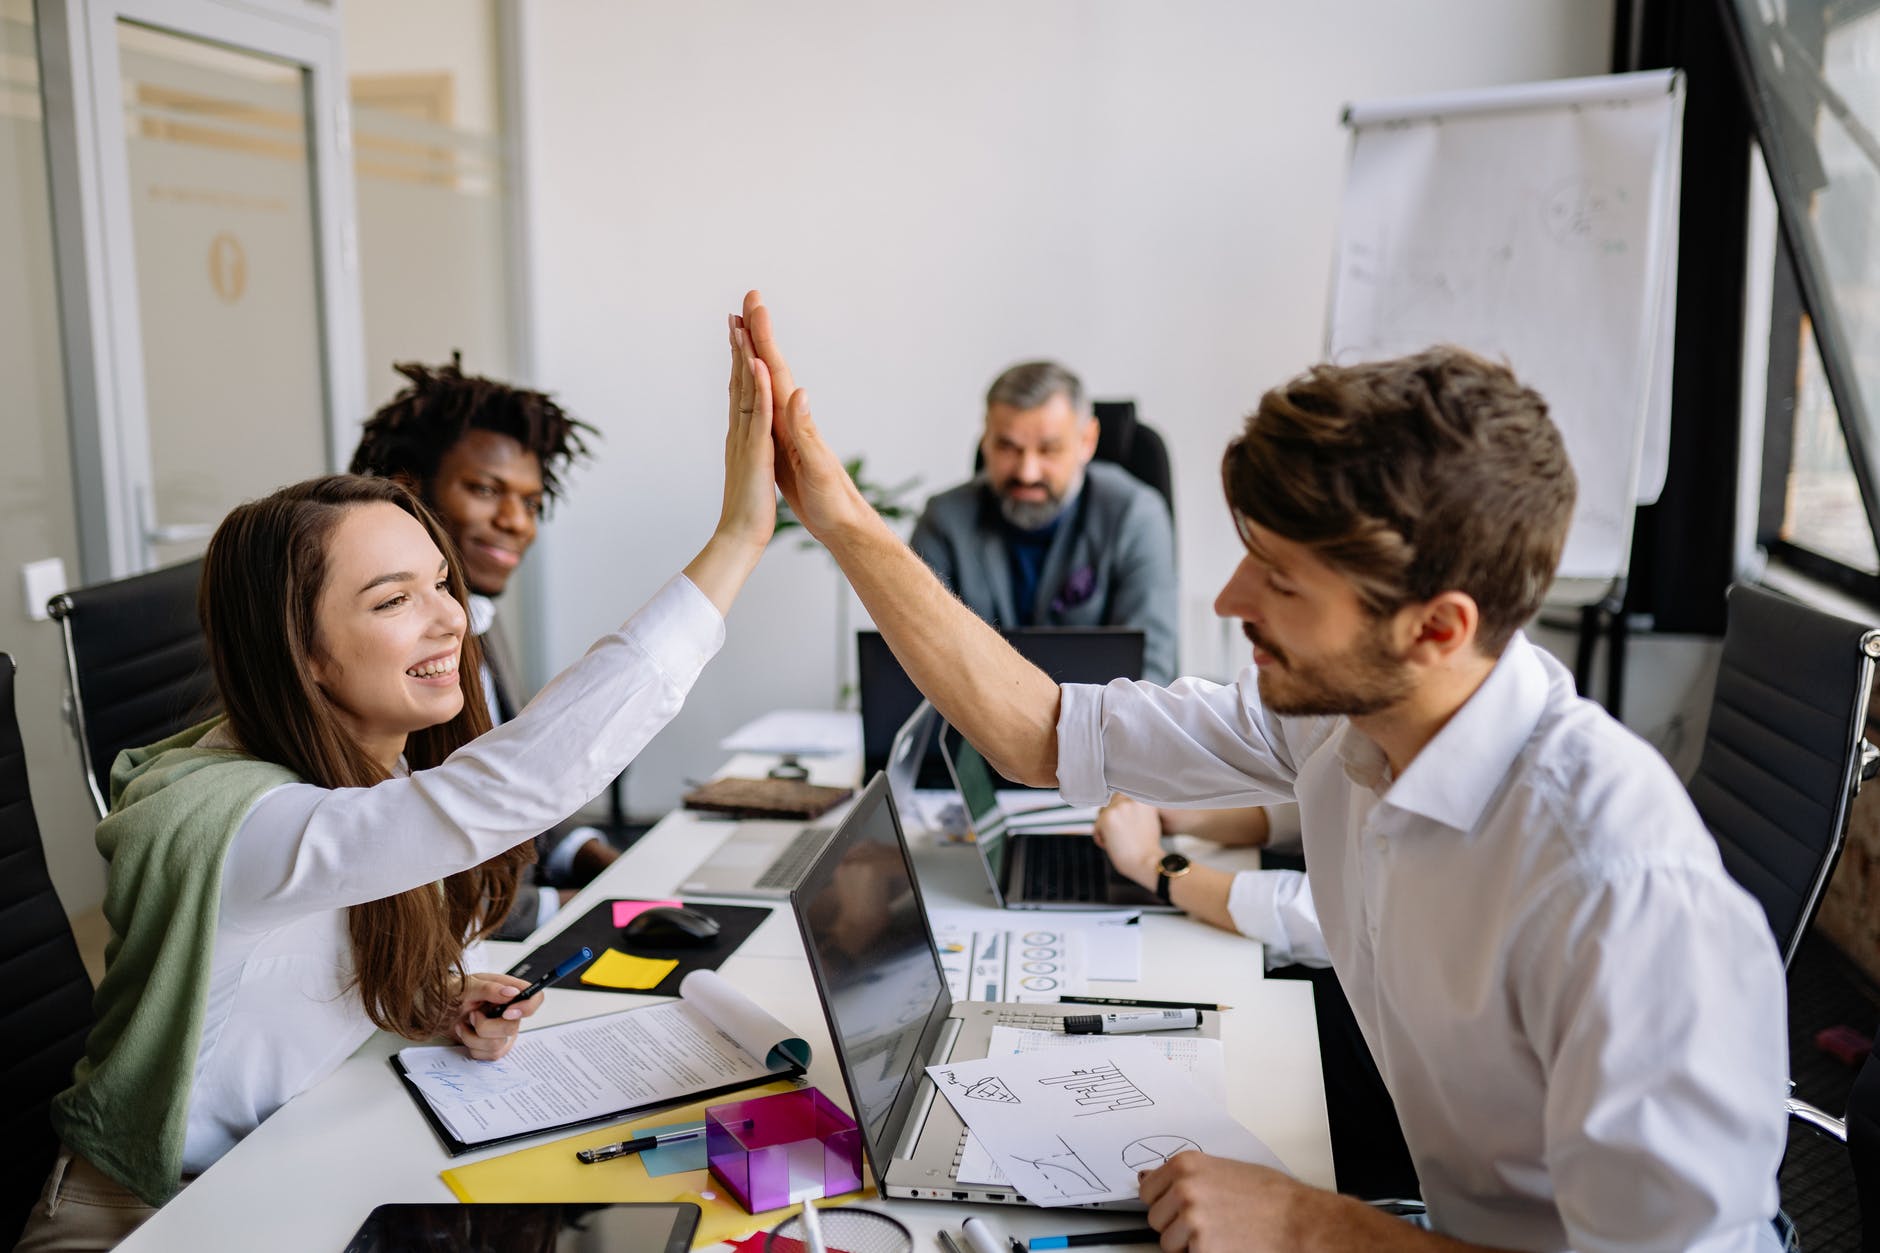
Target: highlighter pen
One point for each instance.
(1124, 1024)
(1131, 1235)
(574, 963)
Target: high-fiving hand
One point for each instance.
(750, 505)
(813, 480)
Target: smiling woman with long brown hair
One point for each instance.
(315, 862)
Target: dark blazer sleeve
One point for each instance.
(930, 544)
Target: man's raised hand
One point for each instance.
(811, 476)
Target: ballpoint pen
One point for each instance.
(574, 963)
(1129, 1235)
(607, 1152)
(947, 1242)
(639, 1144)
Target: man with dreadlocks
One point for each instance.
(487, 458)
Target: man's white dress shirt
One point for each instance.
(1580, 1017)
(282, 1013)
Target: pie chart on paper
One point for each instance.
(1150, 1152)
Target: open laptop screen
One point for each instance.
(911, 744)
(875, 963)
(979, 792)
(1067, 654)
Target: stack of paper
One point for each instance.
(1076, 1125)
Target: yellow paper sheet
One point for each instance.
(615, 969)
(550, 1172)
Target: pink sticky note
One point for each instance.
(627, 911)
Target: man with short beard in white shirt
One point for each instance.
(1578, 1015)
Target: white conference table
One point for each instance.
(308, 1176)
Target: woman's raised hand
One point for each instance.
(748, 517)
(750, 508)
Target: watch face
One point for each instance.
(1172, 864)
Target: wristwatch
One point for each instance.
(1172, 866)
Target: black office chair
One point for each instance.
(1859, 1131)
(1784, 752)
(47, 1008)
(1134, 445)
(136, 664)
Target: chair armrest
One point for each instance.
(1817, 1118)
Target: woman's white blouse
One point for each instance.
(281, 1013)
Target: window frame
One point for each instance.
(1800, 290)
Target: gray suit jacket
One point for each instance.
(1111, 563)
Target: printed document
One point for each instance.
(712, 1038)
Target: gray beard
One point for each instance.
(1030, 515)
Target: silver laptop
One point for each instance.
(1035, 869)
(890, 1015)
(765, 860)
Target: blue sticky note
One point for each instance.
(674, 1158)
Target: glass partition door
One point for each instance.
(209, 287)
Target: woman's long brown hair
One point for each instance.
(261, 583)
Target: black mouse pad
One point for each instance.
(597, 931)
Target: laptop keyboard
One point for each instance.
(1016, 1016)
(1065, 868)
(794, 861)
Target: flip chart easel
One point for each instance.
(1535, 224)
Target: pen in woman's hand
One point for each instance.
(574, 963)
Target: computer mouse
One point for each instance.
(668, 927)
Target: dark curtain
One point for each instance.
(1681, 546)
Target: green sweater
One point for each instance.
(174, 809)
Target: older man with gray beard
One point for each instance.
(1043, 536)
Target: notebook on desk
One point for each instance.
(878, 975)
(766, 860)
(1034, 869)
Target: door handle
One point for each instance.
(179, 533)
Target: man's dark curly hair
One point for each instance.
(409, 436)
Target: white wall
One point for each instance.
(1147, 192)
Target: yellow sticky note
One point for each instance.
(615, 969)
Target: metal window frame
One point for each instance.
(1802, 288)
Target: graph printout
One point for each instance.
(1075, 1126)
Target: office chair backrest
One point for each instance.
(137, 665)
(1134, 445)
(47, 1007)
(1784, 753)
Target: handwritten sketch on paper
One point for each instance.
(1071, 1127)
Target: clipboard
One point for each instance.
(628, 1062)
(457, 1148)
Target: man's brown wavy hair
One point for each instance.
(1411, 477)
(261, 583)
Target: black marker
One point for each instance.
(574, 963)
(1141, 1020)
(1139, 1002)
